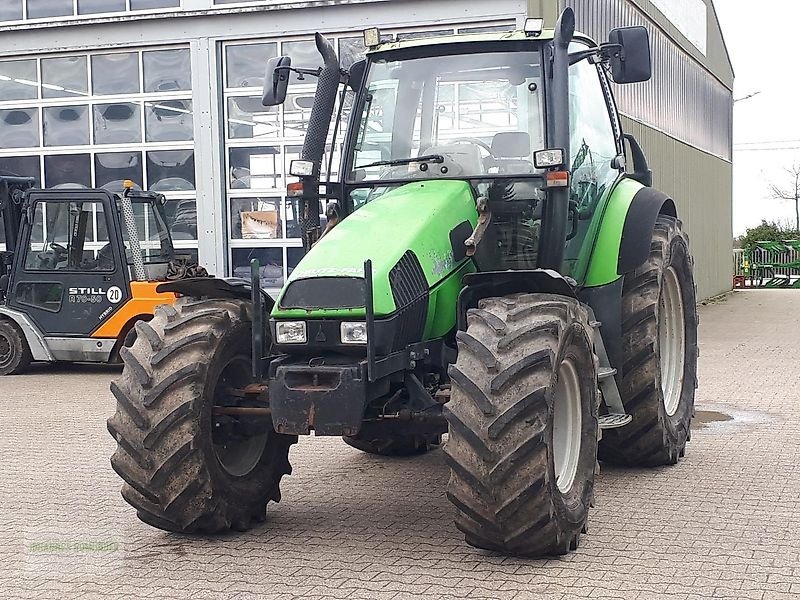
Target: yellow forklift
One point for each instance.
(80, 269)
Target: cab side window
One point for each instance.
(593, 149)
(593, 146)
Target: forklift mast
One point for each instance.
(12, 192)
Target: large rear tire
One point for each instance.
(522, 418)
(15, 355)
(659, 362)
(185, 468)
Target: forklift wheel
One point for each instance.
(15, 356)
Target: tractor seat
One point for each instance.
(512, 152)
(459, 159)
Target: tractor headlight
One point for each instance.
(290, 332)
(354, 333)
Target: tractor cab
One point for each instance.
(473, 112)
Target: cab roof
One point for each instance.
(463, 38)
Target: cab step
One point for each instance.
(613, 420)
(606, 372)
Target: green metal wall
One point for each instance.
(701, 185)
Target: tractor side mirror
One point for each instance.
(357, 72)
(276, 81)
(629, 54)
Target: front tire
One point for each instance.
(15, 355)
(659, 362)
(185, 468)
(522, 421)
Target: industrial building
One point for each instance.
(167, 93)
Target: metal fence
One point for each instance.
(768, 265)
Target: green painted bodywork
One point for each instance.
(416, 216)
(609, 221)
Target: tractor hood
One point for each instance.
(414, 235)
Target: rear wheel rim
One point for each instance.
(236, 452)
(6, 350)
(671, 340)
(567, 425)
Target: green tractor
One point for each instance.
(489, 270)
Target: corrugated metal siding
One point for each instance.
(682, 99)
(701, 186)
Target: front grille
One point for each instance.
(324, 292)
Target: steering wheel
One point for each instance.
(474, 141)
(50, 261)
(58, 248)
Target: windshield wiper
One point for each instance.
(434, 158)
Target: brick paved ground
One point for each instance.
(724, 523)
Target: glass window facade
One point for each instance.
(94, 118)
(97, 119)
(19, 10)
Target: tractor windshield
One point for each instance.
(456, 116)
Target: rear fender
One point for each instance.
(623, 242)
(34, 337)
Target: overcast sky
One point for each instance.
(763, 42)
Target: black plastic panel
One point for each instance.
(410, 290)
(324, 292)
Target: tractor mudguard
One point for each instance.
(502, 283)
(215, 287)
(623, 241)
(328, 398)
(637, 233)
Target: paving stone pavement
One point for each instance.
(724, 523)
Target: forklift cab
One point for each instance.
(72, 269)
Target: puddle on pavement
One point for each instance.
(703, 418)
(719, 418)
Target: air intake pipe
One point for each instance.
(330, 77)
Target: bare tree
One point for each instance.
(790, 192)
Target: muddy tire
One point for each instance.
(184, 468)
(407, 445)
(15, 355)
(659, 362)
(522, 418)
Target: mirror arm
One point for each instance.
(300, 72)
(601, 53)
(576, 57)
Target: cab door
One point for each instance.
(596, 153)
(69, 274)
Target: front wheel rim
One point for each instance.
(237, 452)
(6, 350)
(567, 425)
(671, 340)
